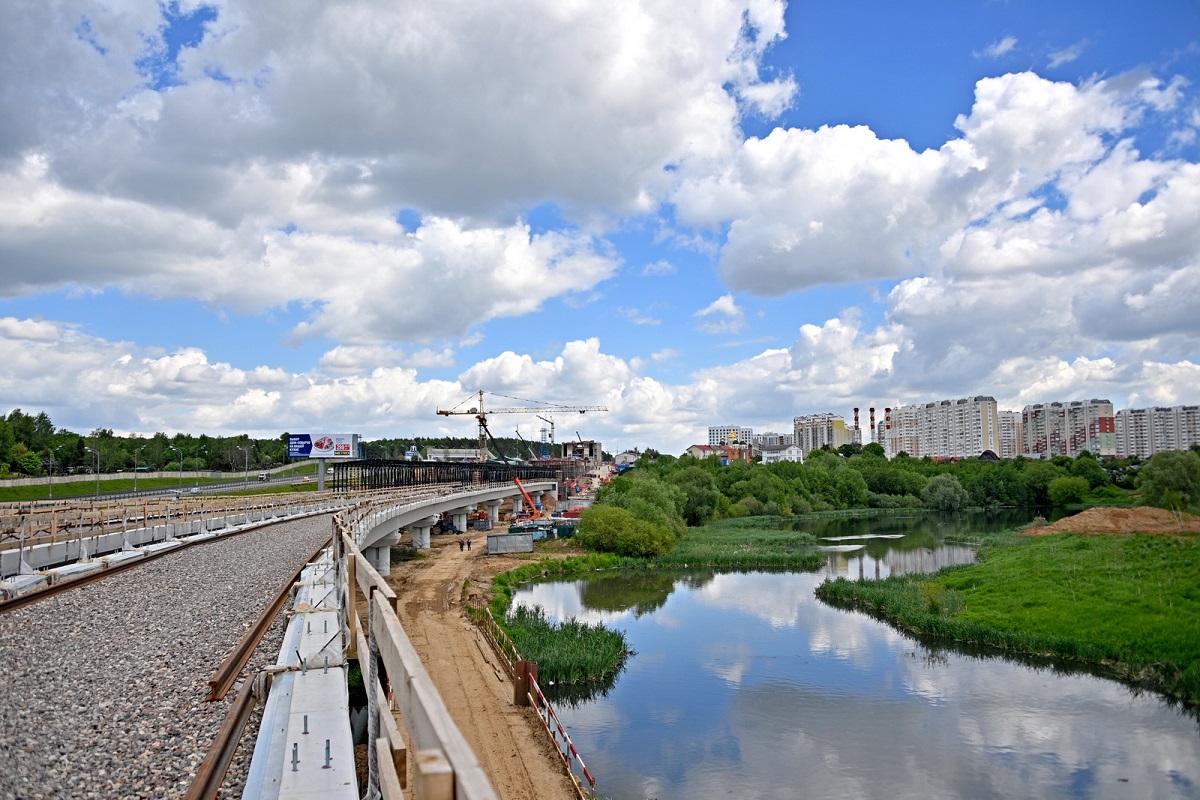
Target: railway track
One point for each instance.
(108, 684)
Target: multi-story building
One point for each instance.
(814, 431)
(1067, 429)
(1012, 435)
(1142, 432)
(945, 429)
(773, 453)
(721, 435)
(772, 439)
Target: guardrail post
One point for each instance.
(523, 671)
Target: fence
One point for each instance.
(524, 675)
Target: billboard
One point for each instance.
(322, 445)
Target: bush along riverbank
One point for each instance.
(1127, 604)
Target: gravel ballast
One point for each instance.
(105, 686)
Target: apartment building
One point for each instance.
(1067, 429)
(814, 431)
(721, 435)
(1012, 435)
(1142, 432)
(960, 428)
(772, 439)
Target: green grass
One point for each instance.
(1129, 604)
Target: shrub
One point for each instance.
(1064, 491)
(609, 529)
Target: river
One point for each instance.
(744, 685)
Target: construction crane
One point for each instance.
(481, 414)
(547, 448)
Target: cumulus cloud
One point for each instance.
(722, 315)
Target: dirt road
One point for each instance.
(508, 740)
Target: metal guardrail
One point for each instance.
(506, 650)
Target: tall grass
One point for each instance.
(570, 652)
(1129, 604)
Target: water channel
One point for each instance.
(744, 685)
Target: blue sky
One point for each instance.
(230, 217)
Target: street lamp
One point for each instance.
(97, 455)
(52, 452)
(246, 452)
(137, 455)
(177, 450)
(202, 450)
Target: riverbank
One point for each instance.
(1127, 602)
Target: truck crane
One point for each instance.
(481, 414)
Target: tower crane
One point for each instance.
(481, 414)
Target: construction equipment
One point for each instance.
(547, 449)
(531, 510)
(481, 415)
(528, 447)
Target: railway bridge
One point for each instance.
(341, 613)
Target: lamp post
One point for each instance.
(177, 450)
(246, 474)
(205, 451)
(97, 455)
(137, 455)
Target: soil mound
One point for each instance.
(1123, 520)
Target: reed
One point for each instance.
(570, 652)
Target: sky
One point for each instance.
(257, 217)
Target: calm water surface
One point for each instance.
(746, 686)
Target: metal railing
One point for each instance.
(506, 650)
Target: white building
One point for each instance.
(721, 435)
(781, 452)
(1012, 435)
(1142, 432)
(961, 428)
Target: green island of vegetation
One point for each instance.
(1128, 604)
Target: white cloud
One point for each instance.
(722, 315)
(999, 48)
(658, 268)
(1067, 54)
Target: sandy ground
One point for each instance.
(1123, 520)
(508, 740)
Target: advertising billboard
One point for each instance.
(322, 445)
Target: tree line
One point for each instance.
(642, 511)
(31, 445)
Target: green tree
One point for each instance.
(1087, 467)
(1036, 476)
(874, 449)
(700, 494)
(1176, 471)
(1066, 490)
(945, 493)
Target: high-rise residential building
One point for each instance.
(1012, 435)
(814, 431)
(960, 428)
(723, 435)
(1142, 432)
(1067, 429)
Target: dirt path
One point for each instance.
(508, 740)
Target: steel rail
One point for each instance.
(22, 600)
(210, 775)
(227, 673)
